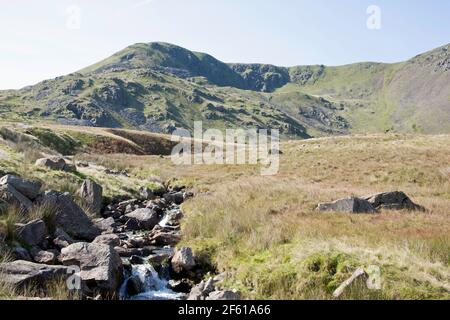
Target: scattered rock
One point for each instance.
(70, 217)
(137, 260)
(182, 286)
(105, 225)
(183, 260)
(62, 239)
(101, 266)
(28, 188)
(32, 233)
(147, 218)
(393, 201)
(202, 290)
(92, 193)
(174, 197)
(348, 205)
(24, 273)
(161, 238)
(134, 286)
(108, 239)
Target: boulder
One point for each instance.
(105, 225)
(182, 286)
(43, 257)
(19, 253)
(21, 273)
(108, 239)
(183, 260)
(396, 200)
(53, 163)
(11, 196)
(162, 238)
(147, 218)
(348, 205)
(134, 286)
(70, 217)
(101, 266)
(62, 239)
(224, 295)
(174, 197)
(28, 188)
(32, 233)
(202, 290)
(92, 193)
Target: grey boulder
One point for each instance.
(28, 188)
(347, 205)
(147, 218)
(108, 239)
(32, 233)
(396, 200)
(101, 266)
(70, 217)
(11, 196)
(183, 260)
(92, 193)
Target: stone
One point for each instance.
(161, 238)
(43, 257)
(11, 196)
(348, 205)
(28, 188)
(105, 225)
(22, 274)
(202, 290)
(134, 286)
(62, 239)
(137, 260)
(182, 286)
(32, 233)
(132, 225)
(183, 260)
(101, 266)
(92, 193)
(19, 253)
(174, 197)
(147, 218)
(396, 200)
(53, 163)
(224, 295)
(70, 217)
(108, 239)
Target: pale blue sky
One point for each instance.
(36, 44)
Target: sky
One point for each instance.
(47, 38)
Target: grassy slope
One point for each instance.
(264, 230)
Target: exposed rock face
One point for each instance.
(28, 188)
(348, 205)
(55, 163)
(92, 193)
(147, 218)
(393, 201)
(183, 260)
(32, 233)
(101, 266)
(108, 239)
(24, 273)
(70, 217)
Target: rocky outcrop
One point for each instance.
(101, 266)
(31, 233)
(92, 193)
(70, 217)
(24, 273)
(348, 205)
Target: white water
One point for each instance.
(155, 288)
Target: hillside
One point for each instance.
(264, 232)
(159, 87)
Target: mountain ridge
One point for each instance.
(159, 87)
